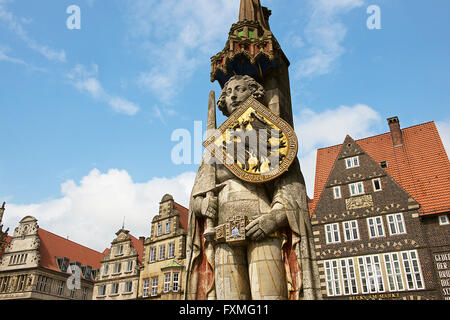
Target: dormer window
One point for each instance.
(352, 162)
(87, 272)
(384, 164)
(63, 264)
(443, 220)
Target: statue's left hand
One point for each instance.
(261, 227)
(267, 224)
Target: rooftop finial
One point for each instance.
(253, 11)
(2, 210)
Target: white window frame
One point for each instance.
(332, 278)
(394, 275)
(115, 288)
(128, 287)
(105, 269)
(119, 250)
(374, 187)
(444, 220)
(332, 233)
(130, 265)
(102, 290)
(167, 281)
(168, 228)
(351, 230)
(348, 274)
(351, 163)
(146, 288)
(176, 282)
(359, 188)
(337, 194)
(371, 275)
(171, 251)
(412, 270)
(118, 268)
(159, 229)
(154, 291)
(60, 290)
(396, 224)
(162, 252)
(378, 227)
(152, 254)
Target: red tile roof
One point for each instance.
(420, 166)
(53, 246)
(138, 244)
(184, 215)
(8, 240)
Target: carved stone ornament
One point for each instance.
(359, 202)
(254, 144)
(232, 232)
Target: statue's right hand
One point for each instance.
(209, 207)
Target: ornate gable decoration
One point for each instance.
(254, 144)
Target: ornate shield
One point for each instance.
(254, 144)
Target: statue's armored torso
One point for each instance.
(238, 197)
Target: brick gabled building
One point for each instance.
(38, 265)
(380, 216)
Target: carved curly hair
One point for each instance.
(257, 90)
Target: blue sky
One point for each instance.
(86, 116)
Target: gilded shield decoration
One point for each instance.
(254, 144)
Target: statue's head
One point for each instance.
(236, 91)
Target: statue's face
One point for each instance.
(237, 93)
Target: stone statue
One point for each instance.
(276, 261)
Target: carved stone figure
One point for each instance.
(275, 261)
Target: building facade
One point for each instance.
(118, 278)
(380, 216)
(163, 268)
(38, 264)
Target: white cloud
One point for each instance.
(177, 36)
(4, 56)
(86, 81)
(93, 210)
(444, 131)
(330, 127)
(324, 35)
(15, 24)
